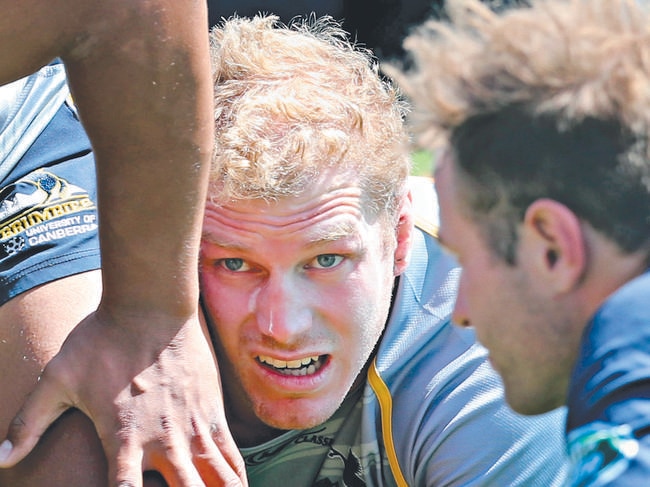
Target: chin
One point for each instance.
(296, 416)
(295, 423)
(531, 405)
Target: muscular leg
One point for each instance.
(32, 327)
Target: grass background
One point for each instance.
(422, 163)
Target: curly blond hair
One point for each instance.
(551, 99)
(294, 101)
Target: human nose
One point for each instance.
(460, 314)
(282, 312)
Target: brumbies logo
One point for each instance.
(42, 207)
(600, 452)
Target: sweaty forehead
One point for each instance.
(330, 188)
(332, 214)
(244, 236)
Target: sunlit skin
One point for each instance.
(299, 292)
(531, 332)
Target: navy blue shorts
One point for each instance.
(48, 210)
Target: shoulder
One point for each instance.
(613, 364)
(609, 409)
(446, 398)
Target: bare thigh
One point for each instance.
(32, 327)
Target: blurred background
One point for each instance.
(379, 25)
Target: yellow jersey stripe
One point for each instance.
(386, 407)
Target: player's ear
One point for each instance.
(404, 234)
(554, 243)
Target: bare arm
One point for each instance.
(140, 366)
(145, 101)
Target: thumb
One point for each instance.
(40, 409)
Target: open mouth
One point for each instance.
(300, 367)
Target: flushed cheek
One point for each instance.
(223, 299)
(363, 327)
(228, 322)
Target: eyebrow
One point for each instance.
(333, 233)
(222, 242)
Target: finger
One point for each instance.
(218, 463)
(224, 445)
(45, 404)
(124, 466)
(218, 470)
(179, 472)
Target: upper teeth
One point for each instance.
(290, 364)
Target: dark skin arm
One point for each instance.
(139, 366)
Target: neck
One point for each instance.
(608, 269)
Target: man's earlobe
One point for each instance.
(554, 233)
(404, 235)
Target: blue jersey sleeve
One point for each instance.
(609, 398)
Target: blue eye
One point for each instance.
(234, 265)
(327, 261)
